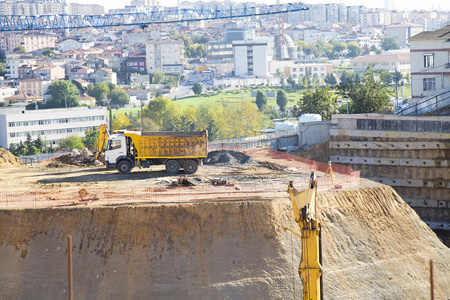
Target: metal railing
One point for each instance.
(426, 105)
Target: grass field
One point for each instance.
(232, 96)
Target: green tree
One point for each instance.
(261, 100)
(39, 143)
(389, 44)
(292, 84)
(347, 81)
(119, 96)
(121, 121)
(162, 114)
(158, 93)
(63, 94)
(373, 48)
(90, 138)
(306, 81)
(32, 150)
(371, 94)
(197, 88)
(2, 69)
(19, 49)
(21, 149)
(72, 142)
(13, 149)
(320, 101)
(48, 52)
(339, 47)
(282, 100)
(80, 88)
(353, 49)
(158, 77)
(316, 81)
(100, 92)
(330, 79)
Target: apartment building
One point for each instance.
(73, 44)
(34, 87)
(166, 56)
(13, 62)
(430, 62)
(49, 72)
(250, 58)
(30, 41)
(301, 70)
(51, 124)
(403, 31)
(374, 18)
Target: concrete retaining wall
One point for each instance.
(411, 154)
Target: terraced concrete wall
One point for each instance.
(411, 154)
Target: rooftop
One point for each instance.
(440, 34)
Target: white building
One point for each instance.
(72, 44)
(430, 62)
(166, 56)
(386, 62)
(300, 70)
(6, 92)
(13, 62)
(402, 32)
(250, 58)
(51, 124)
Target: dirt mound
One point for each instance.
(7, 158)
(229, 158)
(81, 158)
(319, 152)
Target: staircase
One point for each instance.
(427, 105)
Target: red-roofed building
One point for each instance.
(387, 62)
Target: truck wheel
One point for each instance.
(172, 166)
(124, 167)
(190, 167)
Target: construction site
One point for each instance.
(221, 233)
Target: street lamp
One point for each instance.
(65, 97)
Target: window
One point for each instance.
(428, 60)
(114, 144)
(429, 84)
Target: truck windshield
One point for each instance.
(114, 144)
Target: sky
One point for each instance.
(398, 4)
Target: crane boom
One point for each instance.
(157, 16)
(310, 269)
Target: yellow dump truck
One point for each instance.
(126, 149)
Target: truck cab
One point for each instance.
(117, 150)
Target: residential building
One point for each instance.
(402, 32)
(430, 62)
(165, 55)
(79, 72)
(353, 14)
(34, 87)
(386, 62)
(73, 44)
(97, 63)
(6, 92)
(300, 70)
(49, 72)
(137, 63)
(30, 41)
(114, 58)
(13, 62)
(374, 18)
(103, 75)
(250, 58)
(51, 124)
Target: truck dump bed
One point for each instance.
(169, 144)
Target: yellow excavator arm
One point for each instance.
(310, 269)
(102, 138)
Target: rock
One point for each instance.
(97, 163)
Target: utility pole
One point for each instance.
(396, 89)
(142, 118)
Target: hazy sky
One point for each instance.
(398, 4)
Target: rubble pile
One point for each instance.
(229, 158)
(7, 158)
(76, 158)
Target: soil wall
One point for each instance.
(375, 247)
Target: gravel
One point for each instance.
(229, 158)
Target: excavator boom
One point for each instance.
(310, 269)
(101, 140)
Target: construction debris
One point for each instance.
(77, 158)
(271, 166)
(9, 159)
(229, 158)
